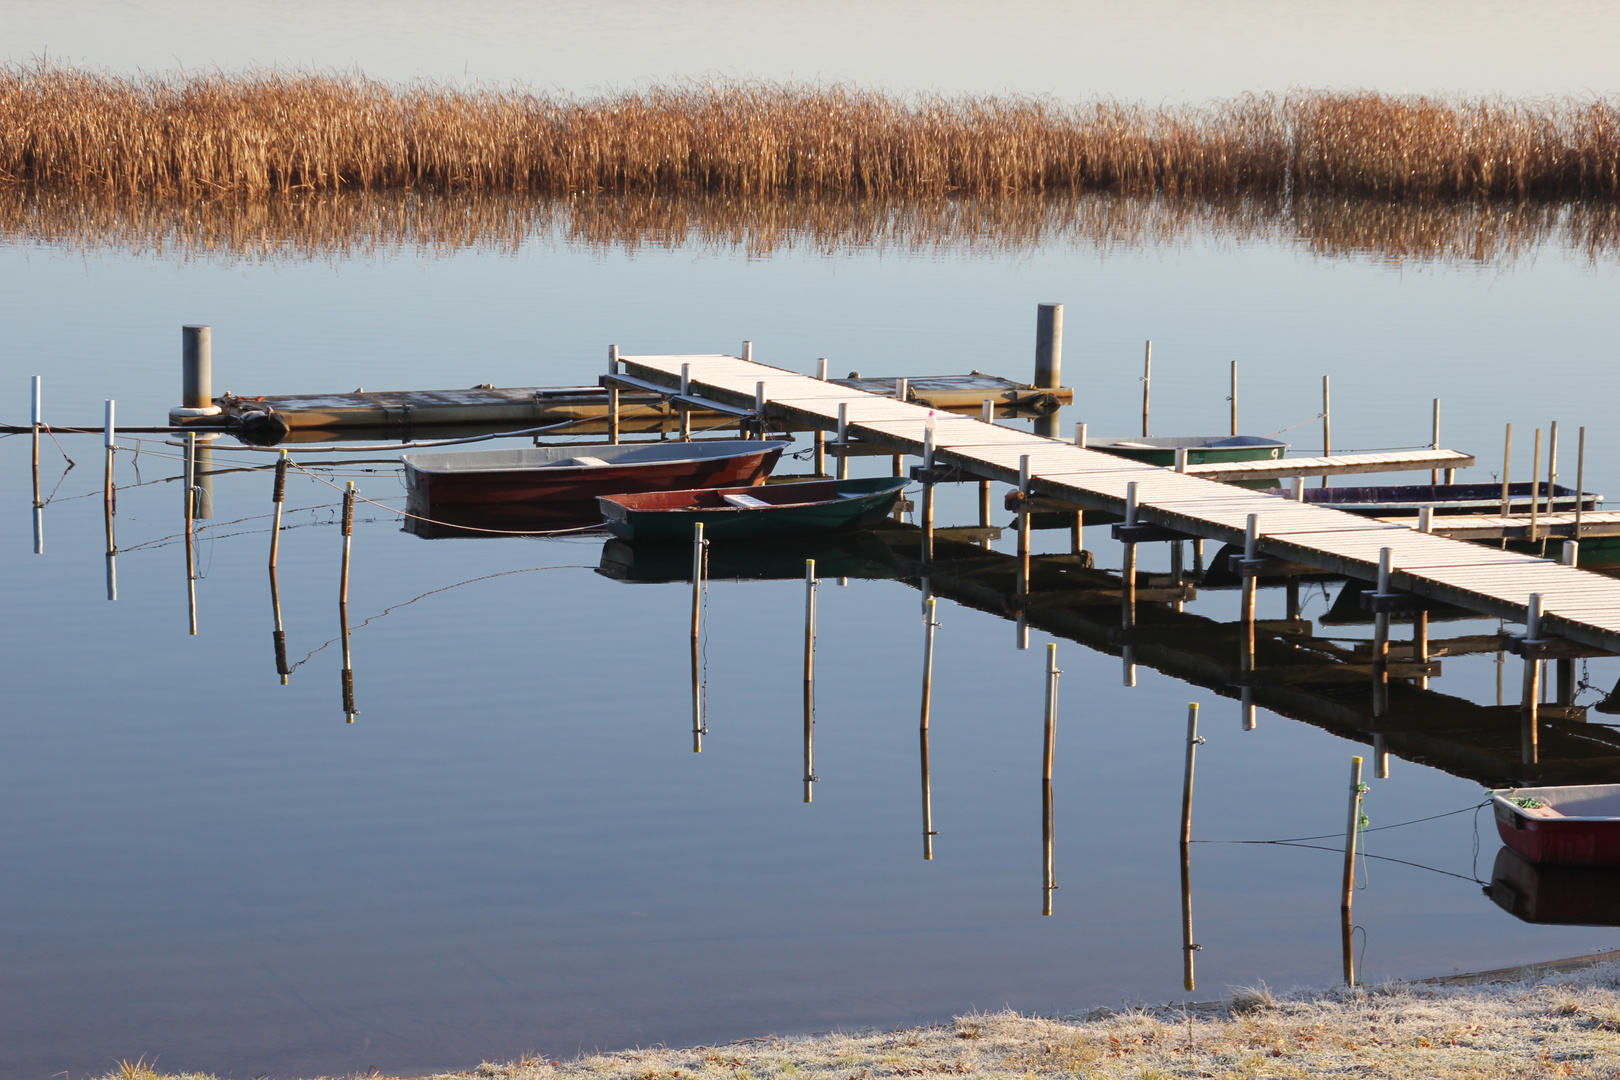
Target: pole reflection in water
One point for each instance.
(343, 604)
(39, 506)
(700, 550)
(810, 584)
(190, 509)
(1048, 865)
(1348, 887)
(109, 499)
(930, 623)
(1188, 946)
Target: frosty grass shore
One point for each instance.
(1537, 1022)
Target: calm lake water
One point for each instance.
(514, 848)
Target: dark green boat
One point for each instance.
(1161, 450)
(816, 506)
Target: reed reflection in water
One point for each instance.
(324, 226)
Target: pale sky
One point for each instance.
(1180, 50)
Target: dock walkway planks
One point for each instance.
(1575, 603)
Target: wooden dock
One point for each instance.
(1576, 604)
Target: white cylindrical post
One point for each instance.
(1425, 519)
(686, 379)
(987, 411)
(821, 368)
(1571, 553)
(613, 359)
(107, 432)
(1023, 474)
(1384, 557)
(902, 389)
(1049, 346)
(928, 443)
(1080, 435)
(1130, 504)
(1299, 489)
(748, 351)
(1232, 397)
(197, 371)
(1181, 459)
(1434, 441)
(1251, 538)
(35, 412)
(1580, 479)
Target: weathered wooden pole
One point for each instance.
(37, 421)
(1024, 518)
(1434, 441)
(1530, 701)
(1580, 479)
(1380, 646)
(810, 584)
(1552, 465)
(930, 624)
(759, 410)
(1147, 384)
(1232, 397)
(1348, 886)
(1193, 740)
(928, 492)
(278, 496)
(1535, 489)
(700, 553)
(109, 443)
(821, 435)
(1507, 464)
(686, 412)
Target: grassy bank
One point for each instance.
(1552, 1025)
(263, 132)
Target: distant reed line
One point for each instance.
(266, 132)
(305, 226)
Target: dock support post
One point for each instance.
(1048, 861)
(613, 415)
(1535, 489)
(699, 559)
(197, 372)
(1347, 889)
(1233, 399)
(1380, 749)
(1291, 596)
(1251, 555)
(759, 410)
(1380, 648)
(1434, 441)
(1507, 464)
(984, 510)
(1080, 435)
(1530, 736)
(1023, 524)
(1327, 424)
(1420, 644)
(747, 351)
(930, 624)
(1580, 480)
(1147, 383)
(843, 439)
(1127, 579)
(613, 359)
(810, 583)
(928, 494)
(343, 603)
(987, 411)
(1049, 346)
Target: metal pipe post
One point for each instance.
(1080, 435)
(190, 507)
(1507, 464)
(1049, 346)
(613, 415)
(843, 439)
(109, 442)
(613, 359)
(197, 370)
(748, 351)
(1348, 886)
(1327, 423)
(278, 496)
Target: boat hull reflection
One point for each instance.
(1558, 895)
(441, 521)
(846, 555)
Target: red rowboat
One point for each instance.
(1572, 826)
(578, 474)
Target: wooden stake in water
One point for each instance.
(1232, 397)
(1529, 706)
(1552, 464)
(1050, 750)
(278, 496)
(1507, 464)
(343, 602)
(1147, 384)
(1580, 478)
(930, 624)
(1535, 489)
(1327, 423)
(810, 583)
(1348, 888)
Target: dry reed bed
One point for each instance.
(1555, 1026)
(304, 225)
(265, 132)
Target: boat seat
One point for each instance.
(744, 502)
(577, 462)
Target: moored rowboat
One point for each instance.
(815, 506)
(1161, 450)
(1577, 825)
(578, 474)
(1395, 499)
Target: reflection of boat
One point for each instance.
(439, 521)
(1565, 895)
(1161, 450)
(1577, 825)
(578, 474)
(1393, 500)
(851, 555)
(815, 506)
